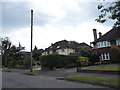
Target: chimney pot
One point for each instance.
(100, 34)
(95, 34)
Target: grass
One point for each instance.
(36, 66)
(8, 70)
(100, 80)
(112, 68)
(30, 73)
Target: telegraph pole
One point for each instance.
(31, 39)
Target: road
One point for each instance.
(19, 80)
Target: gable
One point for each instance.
(113, 34)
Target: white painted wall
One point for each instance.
(66, 51)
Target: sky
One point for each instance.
(54, 20)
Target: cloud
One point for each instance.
(54, 20)
(17, 15)
(44, 36)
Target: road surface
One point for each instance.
(19, 80)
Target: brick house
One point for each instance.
(103, 44)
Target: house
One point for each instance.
(103, 44)
(64, 47)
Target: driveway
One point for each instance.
(18, 80)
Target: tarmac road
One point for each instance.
(19, 80)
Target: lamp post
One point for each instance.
(31, 39)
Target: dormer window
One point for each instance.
(58, 46)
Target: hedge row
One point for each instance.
(58, 61)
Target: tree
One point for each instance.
(37, 52)
(16, 56)
(89, 53)
(10, 53)
(6, 46)
(111, 11)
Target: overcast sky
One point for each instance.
(54, 20)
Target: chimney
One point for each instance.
(51, 44)
(95, 34)
(100, 34)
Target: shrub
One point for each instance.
(89, 53)
(11, 62)
(58, 61)
(83, 61)
(115, 54)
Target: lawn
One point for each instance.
(36, 66)
(100, 80)
(112, 68)
(8, 70)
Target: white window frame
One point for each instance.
(105, 56)
(103, 44)
(118, 42)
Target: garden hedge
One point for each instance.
(58, 61)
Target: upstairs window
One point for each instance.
(118, 42)
(103, 44)
(58, 46)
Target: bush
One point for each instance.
(58, 61)
(11, 62)
(24, 63)
(89, 53)
(115, 54)
(83, 61)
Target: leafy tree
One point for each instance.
(110, 11)
(89, 53)
(6, 46)
(37, 52)
(10, 53)
(16, 51)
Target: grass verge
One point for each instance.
(36, 66)
(8, 70)
(30, 73)
(109, 68)
(94, 79)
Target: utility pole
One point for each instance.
(31, 39)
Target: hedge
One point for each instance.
(58, 61)
(115, 54)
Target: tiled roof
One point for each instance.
(113, 34)
(65, 44)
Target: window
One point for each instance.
(105, 56)
(102, 56)
(118, 42)
(62, 50)
(106, 43)
(58, 46)
(103, 44)
(50, 52)
(109, 44)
